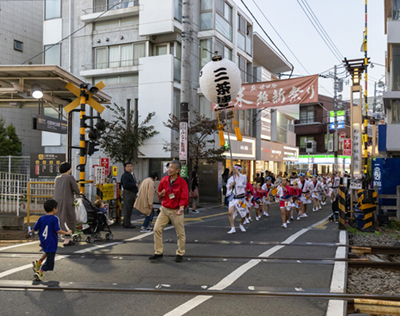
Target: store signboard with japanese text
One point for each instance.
(45, 165)
(276, 93)
(356, 150)
(99, 175)
(105, 162)
(183, 136)
(347, 147)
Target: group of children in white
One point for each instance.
(293, 195)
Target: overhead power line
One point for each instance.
(320, 30)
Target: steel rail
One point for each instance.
(14, 285)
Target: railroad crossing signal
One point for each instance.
(74, 104)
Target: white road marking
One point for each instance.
(19, 245)
(232, 277)
(339, 279)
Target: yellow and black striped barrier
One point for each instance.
(342, 207)
(367, 204)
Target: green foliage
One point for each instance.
(10, 144)
(201, 134)
(123, 137)
(395, 225)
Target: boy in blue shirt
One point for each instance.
(48, 226)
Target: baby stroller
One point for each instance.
(96, 222)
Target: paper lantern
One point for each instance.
(220, 81)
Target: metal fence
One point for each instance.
(10, 196)
(15, 164)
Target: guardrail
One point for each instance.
(386, 208)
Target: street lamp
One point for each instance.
(37, 91)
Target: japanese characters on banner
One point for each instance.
(276, 93)
(105, 162)
(183, 136)
(356, 149)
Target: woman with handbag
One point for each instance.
(194, 192)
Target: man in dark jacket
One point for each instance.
(130, 185)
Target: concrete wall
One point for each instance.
(22, 21)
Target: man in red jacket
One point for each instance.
(174, 193)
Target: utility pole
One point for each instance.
(335, 108)
(82, 143)
(185, 84)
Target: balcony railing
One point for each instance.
(112, 64)
(112, 6)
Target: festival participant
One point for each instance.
(296, 203)
(249, 196)
(315, 188)
(236, 191)
(323, 191)
(285, 192)
(259, 193)
(305, 196)
(267, 187)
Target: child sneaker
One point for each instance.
(38, 276)
(36, 266)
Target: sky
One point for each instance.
(343, 21)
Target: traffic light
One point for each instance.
(92, 147)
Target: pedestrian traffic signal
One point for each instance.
(92, 147)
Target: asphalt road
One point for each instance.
(110, 273)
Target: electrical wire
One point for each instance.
(323, 30)
(74, 32)
(313, 22)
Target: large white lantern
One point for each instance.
(220, 81)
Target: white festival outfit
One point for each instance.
(306, 195)
(238, 190)
(317, 191)
(335, 188)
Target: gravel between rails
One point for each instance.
(370, 280)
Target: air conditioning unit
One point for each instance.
(311, 146)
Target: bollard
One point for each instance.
(342, 207)
(367, 200)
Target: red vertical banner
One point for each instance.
(347, 147)
(105, 162)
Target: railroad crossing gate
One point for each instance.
(367, 200)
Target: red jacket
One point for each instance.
(249, 188)
(179, 189)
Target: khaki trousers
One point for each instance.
(167, 214)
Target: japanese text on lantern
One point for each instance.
(223, 86)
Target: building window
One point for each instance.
(205, 107)
(395, 68)
(178, 10)
(244, 34)
(119, 55)
(109, 80)
(396, 10)
(223, 19)
(162, 50)
(222, 50)
(104, 5)
(19, 46)
(395, 112)
(242, 63)
(52, 9)
(52, 55)
(306, 114)
(206, 5)
(205, 51)
(326, 137)
(177, 103)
